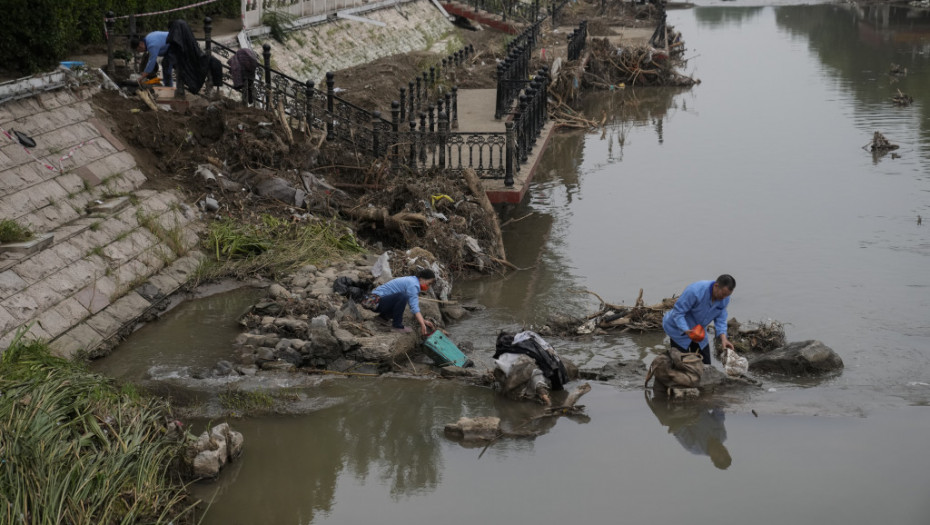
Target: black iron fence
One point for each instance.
(513, 71)
(555, 9)
(417, 137)
(576, 40)
(432, 87)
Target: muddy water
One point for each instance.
(758, 172)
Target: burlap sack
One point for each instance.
(674, 369)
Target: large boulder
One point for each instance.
(212, 450)
(323, 343)
(798, 358)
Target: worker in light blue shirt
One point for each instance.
(391, 299)
(700, 304)
(156, 43)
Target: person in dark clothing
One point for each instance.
(185, 54)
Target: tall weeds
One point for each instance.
(74, 449)
(273, 247)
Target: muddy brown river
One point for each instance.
(759, 172)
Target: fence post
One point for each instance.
(422, 136)
(412, 160)
(396, 119)
(208, 50)
(522, 145)
(531, 104)
(509, 155)
(266, 54)
(443, 132)
(403, 104)
(418, 96)
(110, 23)
(375, 133)
(308, 110)
(498, 107)
(432, 76)
(455, 107)
(207, 30)
(330, 95)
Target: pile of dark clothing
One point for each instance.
(527, 367)
(355, 290)
(191, 62)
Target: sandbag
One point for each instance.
(674, 369)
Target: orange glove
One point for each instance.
(696, 334)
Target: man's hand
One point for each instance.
(726, 342)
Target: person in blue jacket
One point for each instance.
(391, 299)
(700, 304)
(156, 43)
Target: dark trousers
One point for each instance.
(694, 348)
(393, 306)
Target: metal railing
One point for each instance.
(576, 41)
(513, 71)
(419, 141)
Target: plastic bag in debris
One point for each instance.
(381, 270)
(735, 364)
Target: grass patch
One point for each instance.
(76, 449)
(273, 247)
(244, 402)
(172, 237)
(11, 231)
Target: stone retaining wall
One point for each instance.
(105, 238)
(310, 52)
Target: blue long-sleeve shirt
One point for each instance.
(156, 43)
(409, 285)
(695, 307)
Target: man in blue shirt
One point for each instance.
(156, 43)
(391, 299)
(700, 304)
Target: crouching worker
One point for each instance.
(527, 367)
(391, 299)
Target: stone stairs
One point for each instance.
(110, 251)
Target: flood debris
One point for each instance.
(902, 99)
(489, 429)
(897, 70)
(527, 367)
(756, 337)
(614, 317)
(880, 144)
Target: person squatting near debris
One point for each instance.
(700, 304)
(391, 299)
(156, 43)
(181, 51)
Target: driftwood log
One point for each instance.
(397, 221)
(476, 188)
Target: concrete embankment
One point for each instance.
(105, 250)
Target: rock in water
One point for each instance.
(798, 358)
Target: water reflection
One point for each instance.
(715, 17)
(697, 427)
(858, 45)
(389, 430)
